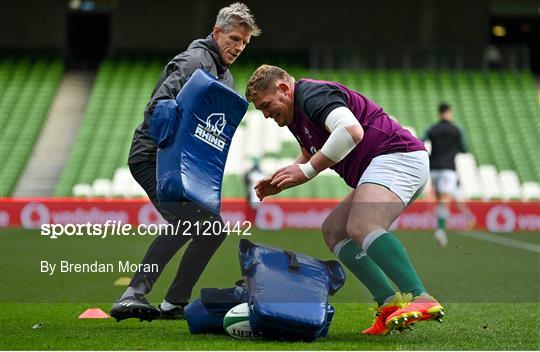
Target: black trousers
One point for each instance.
(199, 251)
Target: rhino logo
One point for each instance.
(215, 123)
(210, 132)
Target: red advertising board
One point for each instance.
(275, 214)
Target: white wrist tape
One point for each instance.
(340, 143)
(308, 170)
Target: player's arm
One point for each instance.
(264, 187)
(345, 133)
(303, 157)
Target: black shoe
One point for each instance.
(134, 307)
(172, 314)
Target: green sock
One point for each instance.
(442, 215)
(365, 270)
(387, 251)
(441, 222)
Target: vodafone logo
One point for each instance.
(33, 215)
(269, 217)
(501, 218)
(275, 217)
(148, 214)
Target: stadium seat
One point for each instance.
(489, 182)
(510, 187)
(468, 176)
(530, 191)
(82, 190)
(237, 162)
(120, 182)
(102, 187)
(135, 190)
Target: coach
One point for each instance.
(235, 25)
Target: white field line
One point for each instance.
(483, 236)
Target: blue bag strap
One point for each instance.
(247, 259)
(336, 275)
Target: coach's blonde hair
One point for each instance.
(262, 78)
(234, 14)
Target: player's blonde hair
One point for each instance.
(262, 79)
(235, 14)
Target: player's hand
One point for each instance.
(288, 176)
(264, 188)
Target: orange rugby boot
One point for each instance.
(419, 309)
(383, 312)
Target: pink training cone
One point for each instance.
(94, 313)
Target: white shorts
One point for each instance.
(444, 181)
(405, 174)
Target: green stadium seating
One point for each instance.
(27, 88)
(499, 113)
(121, 90)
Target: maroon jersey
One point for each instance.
(314, 100)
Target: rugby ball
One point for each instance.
(236, 322)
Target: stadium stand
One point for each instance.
(122, 88)
(499, 113)
(27, 87)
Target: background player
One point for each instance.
(339, 128)
(447, 140)
(232, 31)
(251, 177)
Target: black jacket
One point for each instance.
(201, 53)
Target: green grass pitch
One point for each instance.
(490, 291)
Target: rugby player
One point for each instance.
(447, 139)
(385, 165)
(234, 27)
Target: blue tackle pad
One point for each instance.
(288, 292)
(194, 134)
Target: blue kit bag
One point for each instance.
(205, 315)
(194, 133)
(288, 292)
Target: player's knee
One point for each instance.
(331, 243)
(326, 229)
(357, 231)
(330, 235)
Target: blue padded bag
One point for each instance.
(205, 315)
(288, 292)
(329, 317)
(194, 134)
